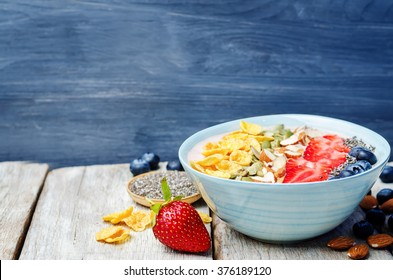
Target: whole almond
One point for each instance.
(368, 202)
(387, 206)
(378, 241)
(341, 243)
(358, 252)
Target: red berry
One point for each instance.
(330, 148)
(179, 226)
(299, 170)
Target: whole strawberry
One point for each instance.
(178, 225)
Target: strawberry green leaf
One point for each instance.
(153, 221)
(166, 190)
(156, 208)
(179, 197)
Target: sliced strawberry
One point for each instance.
(337, 143)
(331, 148)
(300, 170)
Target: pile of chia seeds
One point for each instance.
(150, 185)
(351, 143)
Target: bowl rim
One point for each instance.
(283, 185)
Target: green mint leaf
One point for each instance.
(166, 190)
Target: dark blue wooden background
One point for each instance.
(91, 82)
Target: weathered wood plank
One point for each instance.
(230, 244)
(69, 212)
(20, 185)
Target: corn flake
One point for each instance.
(252, 142)
(211, 146)
(124, 236)
(261, 138)
(210, 160)
(250, 128)
(196, 166)
(221, 151)
(240, 136)
(241, 157)
(218, 173)
(233, 144)
(228, 166)
(117, 217)
(138, 221)
(112, 234)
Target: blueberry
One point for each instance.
(355, 151)
(362, 229)
(376, 217)
(346, 173)
(384, 195)
(355, 168)
(174, 165)
(390, 223)
(363, 154)
(152, 159)
(387, 174)
(139, 166)
(364, 164)
(367, 155)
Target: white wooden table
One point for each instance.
(73, 200)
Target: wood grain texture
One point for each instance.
(96, 82)
(70, 210)
(20, 185)
(231, 245)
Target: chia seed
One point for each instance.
(150, 185)
(350, 143)
(355, 142)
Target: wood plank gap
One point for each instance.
(26, 226)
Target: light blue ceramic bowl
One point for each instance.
(285, 212)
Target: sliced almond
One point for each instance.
(279, 163)
(341, 243)
(279, 151)
(280, 179)
(280, 173)
(387, 206)
(295, 148)
(256, 178)
(358, 252)
(256, 152)
(269, 169)
(266, 156)
(368, 202)
(378, 241)
(292, 154)
(300, 129)
(312, 133)
(294, 138)
(268, 178)
(304, 141)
